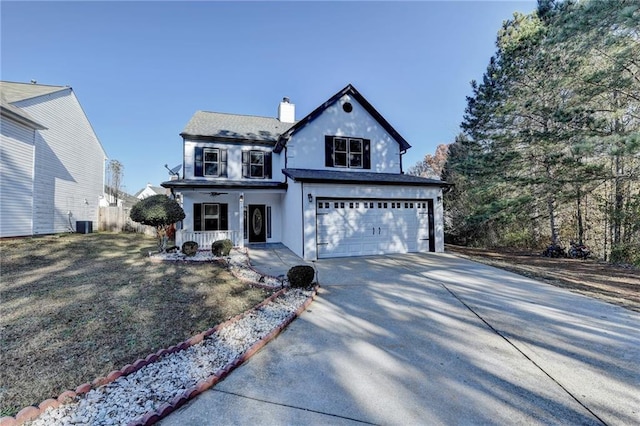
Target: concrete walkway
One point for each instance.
(434, 339)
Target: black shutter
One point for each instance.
(245, 164)
(197, 169)
(366, 154)
(328, 151)
(267, 165)
(197, 217)
(224, 217)
(223, 163)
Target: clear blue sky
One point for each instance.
(141, 69)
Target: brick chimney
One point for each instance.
(286, 111)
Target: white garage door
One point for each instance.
(366, 227)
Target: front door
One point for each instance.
(257, 223)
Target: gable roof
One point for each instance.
(17, 114)
(234, 127)
(367, 178)
(156, 189)
(16, 92)
(348, 90)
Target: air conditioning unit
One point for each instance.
(84, 226)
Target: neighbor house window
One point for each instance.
(210, 162)
(256, 164)
(346, 152)
(210, 217)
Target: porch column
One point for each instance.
(241, 220)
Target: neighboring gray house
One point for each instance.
(51, 161)
(329, 185)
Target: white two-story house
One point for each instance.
(328, 185)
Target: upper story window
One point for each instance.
(351, 153)
(256, 164)
(210, 162)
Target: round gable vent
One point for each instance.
(347, 107)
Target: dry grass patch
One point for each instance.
(612, 283)
(74, 307)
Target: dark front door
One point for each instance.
(257, 224)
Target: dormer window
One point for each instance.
(353, 153)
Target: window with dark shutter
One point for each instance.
(352, 153)
(340, 152)
(256, 164)
(210, 217)
(355, 153)
(211, 162)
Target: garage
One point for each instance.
(359, 227)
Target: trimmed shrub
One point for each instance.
(160, 212)
(301, 276)
(221, 248)
(189, 248)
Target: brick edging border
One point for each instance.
(32, 412)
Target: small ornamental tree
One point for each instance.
(160, 212)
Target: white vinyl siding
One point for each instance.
(16, 179)
(69, 163)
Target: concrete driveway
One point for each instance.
(435, 339)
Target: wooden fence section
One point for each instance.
(116, 219)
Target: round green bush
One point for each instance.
(301, 276)
(189, 248)
(221, 247)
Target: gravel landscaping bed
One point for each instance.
(160, 387)
(150, 389)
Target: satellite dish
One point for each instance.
(174, 171)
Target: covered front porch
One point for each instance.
(247, 215)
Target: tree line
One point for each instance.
(550, 145)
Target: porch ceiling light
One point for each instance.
(310, 197)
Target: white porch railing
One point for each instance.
(206, 238)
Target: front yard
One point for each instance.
(74, 307)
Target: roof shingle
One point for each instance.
(339, 176)
(234, 127)
(15, 92)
